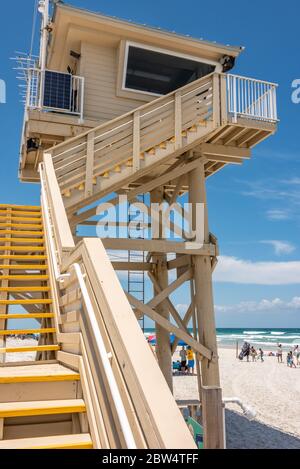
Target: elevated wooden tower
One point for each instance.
(115, 109)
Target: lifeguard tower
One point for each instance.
(113, 110)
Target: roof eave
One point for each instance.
(226, 49)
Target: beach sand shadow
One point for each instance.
(242, 433)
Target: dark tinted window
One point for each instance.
(154, 72)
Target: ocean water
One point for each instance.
(261, 337)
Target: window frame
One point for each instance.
(139, 94)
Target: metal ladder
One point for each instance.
(136, 279)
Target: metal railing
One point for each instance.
(55, 91)
(250, 98)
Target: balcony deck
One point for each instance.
(50, 128)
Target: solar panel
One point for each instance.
(57, 90)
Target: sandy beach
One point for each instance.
(272, 390)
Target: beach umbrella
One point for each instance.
(180, 342)
(152, 340)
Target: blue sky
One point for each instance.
(254, 209)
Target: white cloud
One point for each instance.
(234, 270)
(277, 214)
(280, 247)
(263, 305)
(292, 181)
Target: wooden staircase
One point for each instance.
(198, 120)
(41, 401)
(24, 280)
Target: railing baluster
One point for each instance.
(136, 141)
(89, 172)
(178, 120)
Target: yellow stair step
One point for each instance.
(76, 441)
(24, 277)
(24, 289)
(49, 330)
(32, 208)
(21, 225)
(22, 233)
(6, 317)
(44, 372)
(23, 248)
(22, 240)
(37, 373)
(22, 213)
(36, 301)
(33, 348)
(26, 409)
(23, 267)
(14, 219)
(24, 257)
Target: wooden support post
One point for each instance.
(216, 101)
(203, 284)
(223, 98)
(195, 333)
(136, 141)
(163, 347)
(212, 417)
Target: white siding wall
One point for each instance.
(99, 66)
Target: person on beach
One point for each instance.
(289, 360)
(191, 360)
(182, 354)
(245, 351)
(261, 354)
(253, 353)
(296, 355)
(279, 353)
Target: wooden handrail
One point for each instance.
(189, 87)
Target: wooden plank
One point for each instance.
(212, 415)
(62, 228)
(79, 441)
(157, 246)
(49, 330)
(89, 164)
(37, 348)
(27, 316)
(136, 141)
(168, 303)
(33, 208)
(178, 120)
(224, 150)
(152, 314)
(24, 267)
(24, 257)
(163, 294)
(53, 407)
